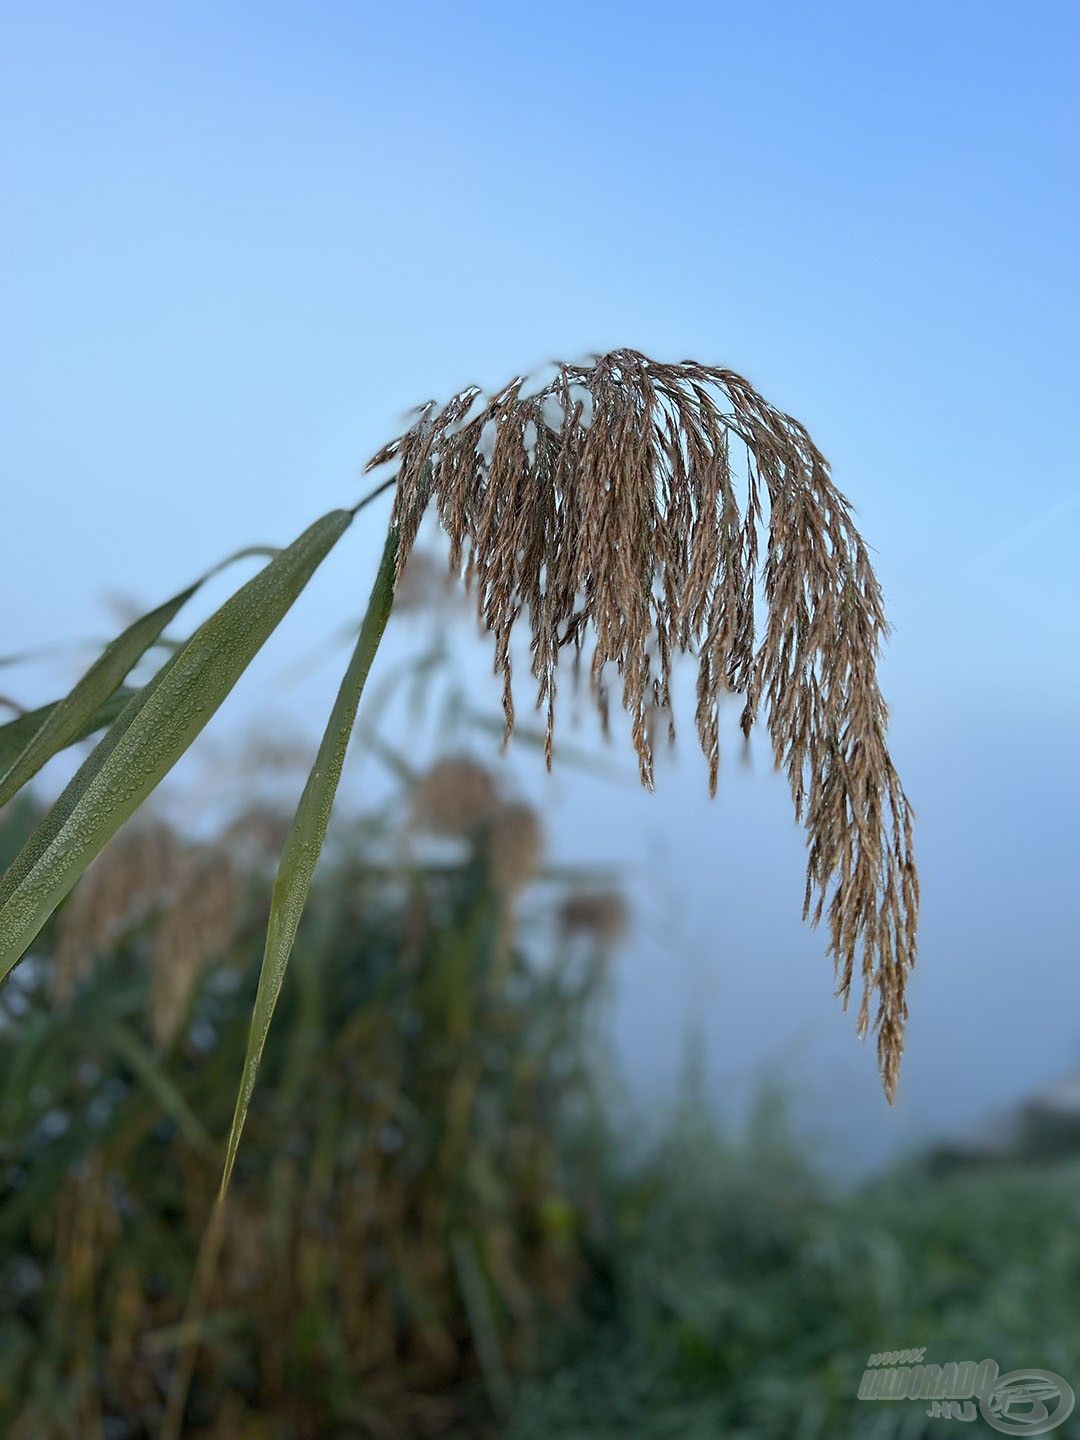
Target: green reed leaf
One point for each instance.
(305, 842)
(151, 734)
(17, 733)
(66, 721)
(145, 1066)
(52, 823)
(104, 677)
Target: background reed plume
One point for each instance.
(622, 503)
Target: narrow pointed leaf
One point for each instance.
(249, 552)
(65, 721)
(305, 842)
(144, 745)
(15, 735)
(148, 1070)
(52, 823)
(102, 679)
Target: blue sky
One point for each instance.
(240, 240)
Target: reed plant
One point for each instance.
(619, 504)
(434, 1230)
(411, 1204)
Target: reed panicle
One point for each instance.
(424, 584)
(599, 915)
(195, 930)
(188, 898)
(455, 797)
(515, 845)
(624, 501)
(136, 873)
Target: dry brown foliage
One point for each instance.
(625, 501)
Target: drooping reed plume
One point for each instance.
(190, 897)
(624, 502)
(194, 931)
(138, 873)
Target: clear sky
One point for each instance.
(239, 240)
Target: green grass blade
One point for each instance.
(249, 552)
(482, 1322)
(67, 720)
(145, 1066)
(103, 678)
(52, 823)
(128, 765)
(17, 733)
(305, 842)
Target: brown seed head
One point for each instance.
(625, 501)
(424, 584)
(195, 930)
(456, 797)
(515, 843)
(135, 872)
(600, 915)
(255, 838)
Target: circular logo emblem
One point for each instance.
(1018, 1403)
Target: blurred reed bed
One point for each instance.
(434, 1229)
(410, 1206)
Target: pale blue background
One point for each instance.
(238, 240)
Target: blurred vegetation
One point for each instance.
(408, 1205)
(741, 1292)
(435, 1229)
